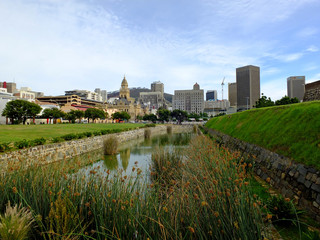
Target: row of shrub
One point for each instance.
(4, 147)
(70, 136)
(29, 143)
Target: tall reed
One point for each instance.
(147, 133)
(110, 145)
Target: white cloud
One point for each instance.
(289, 57)
(312, 48)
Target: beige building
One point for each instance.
(126, 104)
(296, 87)
(191, 101)
(232, 94)
(248, 86)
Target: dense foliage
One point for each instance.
(94, 113)
(19, 111)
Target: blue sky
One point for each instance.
(57, 45)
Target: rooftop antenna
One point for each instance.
(222, 84)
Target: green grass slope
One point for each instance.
(290, 130)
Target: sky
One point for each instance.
(56, 45)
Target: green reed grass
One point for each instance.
(147, 133)
(110, 145)
(201, 194)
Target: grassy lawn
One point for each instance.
(12, 133)
(290, 130)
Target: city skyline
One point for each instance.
(53, 46)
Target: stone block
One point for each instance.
(309, 176)
(307, 184)
(315, 187)
(302, 170)
(296, 175)
(301, 179)
(314, 178)
(283, 175)
(315, 204)
(318, 181)
(318, 199)
(312, 170)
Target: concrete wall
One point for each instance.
(293, 180)
(45, 154)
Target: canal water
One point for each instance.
(134, 154)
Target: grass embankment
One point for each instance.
(290, 130)
(202, 194)
(12, 133)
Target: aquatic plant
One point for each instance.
(110, 145)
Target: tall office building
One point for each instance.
(157, 87)
(248, 86)
(211, 95)
(104, 95)
(296, 87)
(232, 94)
(191, 101)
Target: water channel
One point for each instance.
(133, 154)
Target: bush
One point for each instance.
(169, 129)
(4, 147)
(110, 145)
(104, 131)
(56, 139)
(38, 141)
(88, 134)
(22, 144)
(96, 133)
(69, 136)
(81, 135)
(150, 125)
(16, 223)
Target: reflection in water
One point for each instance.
(125, 156)
(138, 151)
(111, 162)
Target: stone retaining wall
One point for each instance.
(49, 153)
(293, 180)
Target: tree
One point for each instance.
(53, 113)
(264, 102)
(150, 117)
(79, 114)
(286, 100)
(94, 113)
(163, 114)
(121, 115)
(179, 115)
(20, 110)
(71, 116)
